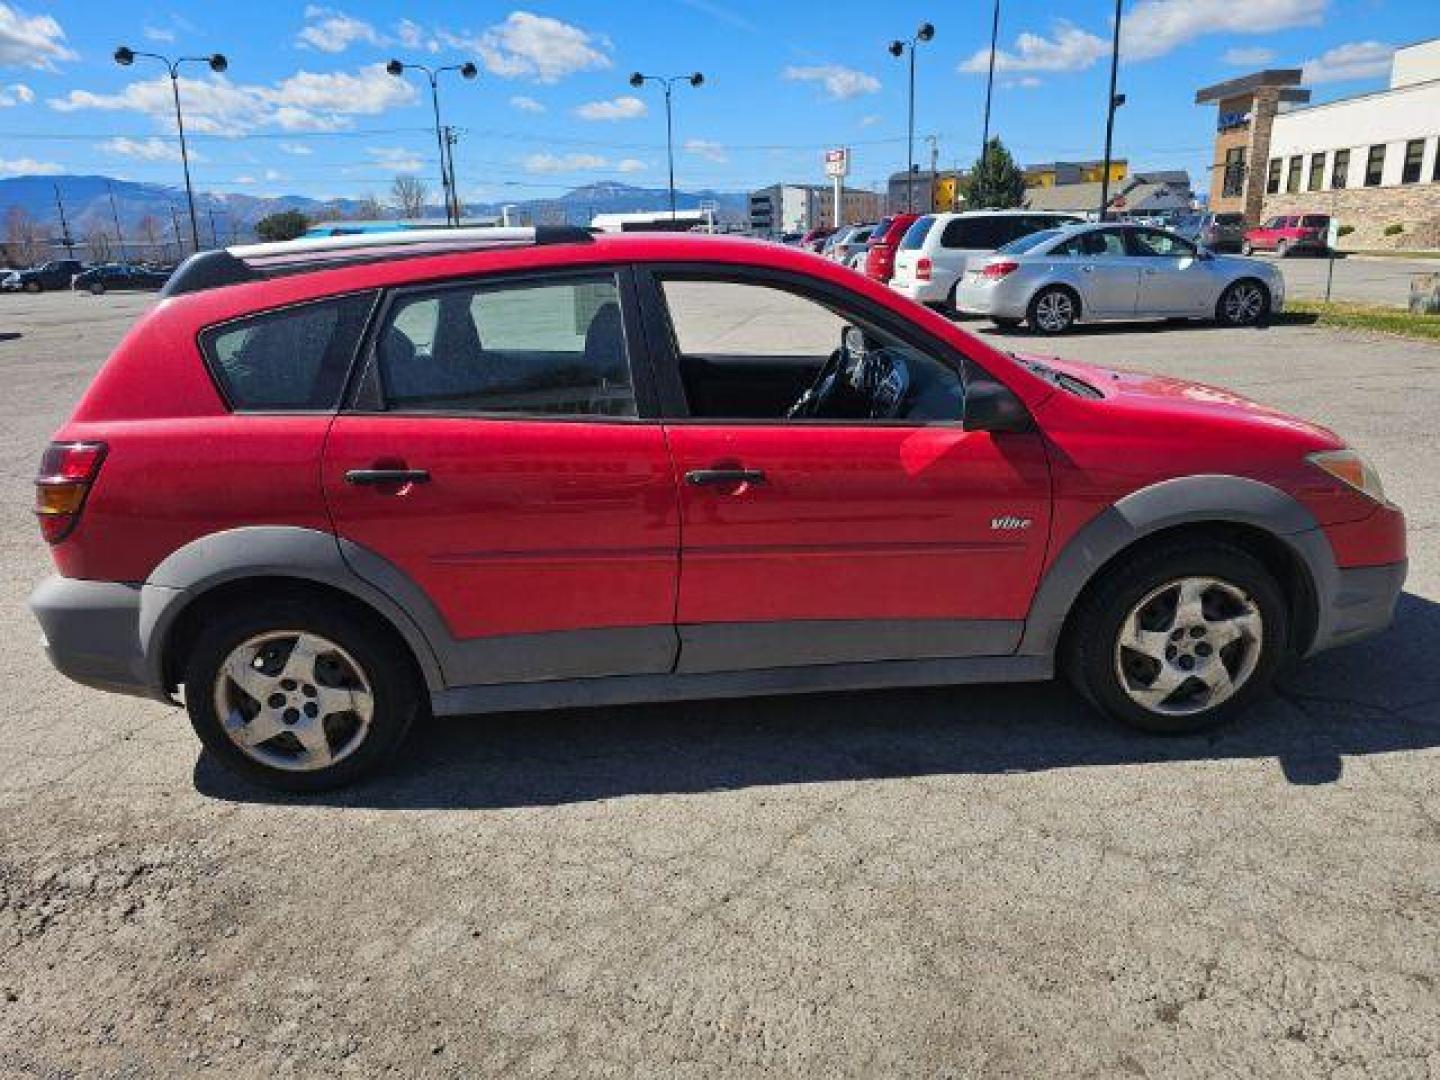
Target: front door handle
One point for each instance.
(719, 477)
(387, 477)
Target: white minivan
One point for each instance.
(935, 251)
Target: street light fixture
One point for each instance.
(696, 79)
(217, 63)
(897, 49)
(448, 188)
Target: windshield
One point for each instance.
(1026, 243)
(915, 235)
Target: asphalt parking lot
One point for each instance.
(964, 882)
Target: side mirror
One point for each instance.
(989, 406)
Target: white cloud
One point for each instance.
(631, 165)
(396, 159)
(162, 34)
(707, 149)
(526, 104)
(1344, 63)
(305, 101)
(28, 167)
(34, 41)
(1070, 49)
(332, 31)
(1024, 82)
(869, 121)
(551, 163)
(839, 82)
(620, 108)
(1254, 56)
(723, 14)
(1155, 27)
(535, 47)
(410, 34)
(298, 149)
(18, 94)
(151, 149)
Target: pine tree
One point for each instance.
(996, 183)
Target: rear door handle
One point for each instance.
(717, 477)
(379, 477)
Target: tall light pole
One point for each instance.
(1115, 101)
(899, 48)
(467, 70)
(638, 80)
(217, 63)
(989, 85)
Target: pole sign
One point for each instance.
(837, 163)
(1332, 234)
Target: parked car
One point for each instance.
(937, 248)
(1220, 232)
(449, 474)
(100, 279)
(814, 239)
(1288, 234)
(791, 238)
(848, 242)
(880, 253)
(1087, 273)
(55, 274)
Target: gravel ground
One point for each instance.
(980, 881)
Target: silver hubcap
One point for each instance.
(1244, 303)
(293, 700)
(1188, 646)
(1054, 311)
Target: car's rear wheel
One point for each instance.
(1179, 639)
(1053, 311)
(299, 696)
(1243, 303)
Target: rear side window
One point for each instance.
(984, 233)
(294, 359)
(1315, 221)
(915, 235)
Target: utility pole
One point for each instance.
(451, 138)
(65, 237)
(1116, 100)
(115, 213)
(214, 236)
(990, 85)
(175, 226)
(934, 169)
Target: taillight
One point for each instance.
(996, 270)
(66, 473)
(922, 270)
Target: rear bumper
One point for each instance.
(934, 291)
(92, 634)
(996, 299)
(1361, 602)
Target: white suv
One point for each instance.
(936, 249)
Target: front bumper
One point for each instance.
(92, 634)
(1361, 602)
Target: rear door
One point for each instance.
(497, 458)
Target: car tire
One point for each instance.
(1136, 657)
(354, 666)
(1243, 303)
(96, 289)
(1053, 310)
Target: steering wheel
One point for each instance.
(887, 378)
(828, 379)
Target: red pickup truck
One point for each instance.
(1289, 233)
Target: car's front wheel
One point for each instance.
(1180, 638)
(1053, 310)
(1243, 303)
(299, 696)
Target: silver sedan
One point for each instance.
(1089, 273)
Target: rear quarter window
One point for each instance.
(916, 234)
(293, 359)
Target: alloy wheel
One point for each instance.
(1054, 311)
(1188, 646)
(293, 700)
(1244, 303)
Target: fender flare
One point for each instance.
(190, 572)
(1183, 500)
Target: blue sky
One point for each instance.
(306, 106)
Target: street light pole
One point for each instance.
(989, 85)
(217, 63)
(638, 80)
(1115, 101)
(898, 49)
(467, 70)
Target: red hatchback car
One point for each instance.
(880, 258)
(1289, 233)
(329, 486)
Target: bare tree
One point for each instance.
(369, 208)
(99, 245)
(410, 193)
(23, 236)
(153, 231)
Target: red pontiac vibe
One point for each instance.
(329, 486)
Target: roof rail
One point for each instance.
(255, 262)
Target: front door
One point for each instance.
(837, 537)
(1108, 277)
(496, 462)
(1174, 280)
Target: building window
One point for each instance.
(1234, 182)
(1272, 179)
(1414, 155)
(1375, 166)
(1292, 181)
(1317, 172)
(1340, 173)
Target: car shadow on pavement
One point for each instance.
(10, 335)
(1145, 326)
(1379, 696)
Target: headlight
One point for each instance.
(1351, 469)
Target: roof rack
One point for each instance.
(257, 262)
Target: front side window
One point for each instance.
(1414, 158)
(1272, 178)
(295, 359)
(1340, 172)
(1292, 181)
(531, 348)
(1153, 242)
(1375, 166)
(753, 351)
(1317, 172)
(1095, 243)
